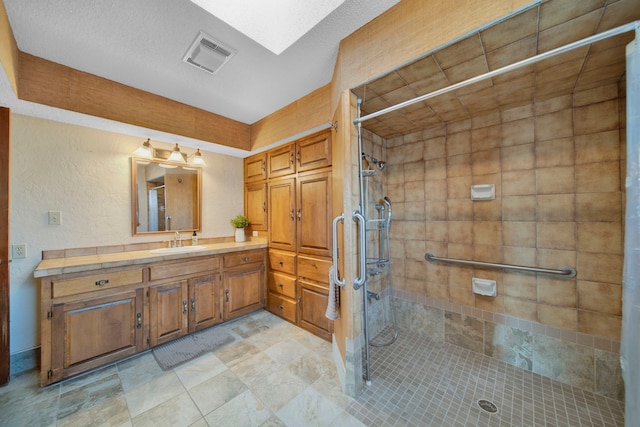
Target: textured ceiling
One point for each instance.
(533, 31)
(141, 44)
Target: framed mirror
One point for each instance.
(165, 197)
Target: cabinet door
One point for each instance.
(168, 308)
(92, 332)
(280, 161)
(243, 290)
(255, 168)
(313, 199)
(314, 151)
(255, 205)
(282, 222)
(205, 297)
(313, 305)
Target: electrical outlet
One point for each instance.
(55, 217)
(19, 250)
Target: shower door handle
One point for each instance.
(362, 243)
(335, 276)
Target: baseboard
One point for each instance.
(337, 360)
(24, 361)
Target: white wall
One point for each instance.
(85, 173)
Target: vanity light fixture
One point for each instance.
(197, 159)
(145, 150)
(175, 157)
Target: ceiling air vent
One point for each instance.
(208, 54)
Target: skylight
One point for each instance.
(275, 24)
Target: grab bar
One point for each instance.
(335, 277)
(566, 271)
(362, 228)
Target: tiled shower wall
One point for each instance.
(558, 169)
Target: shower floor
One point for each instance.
(421, 382)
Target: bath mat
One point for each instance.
(189, 347)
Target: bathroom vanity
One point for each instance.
(97, 309)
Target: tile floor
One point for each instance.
(276, 374)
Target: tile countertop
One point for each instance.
(56, 266)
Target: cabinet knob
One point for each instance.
(193, 304)
(184, 306)
(102, 282)
(281, 285)
(281, 263)
(281, 307)
(226, 295)
(139, 320)
(245, 258)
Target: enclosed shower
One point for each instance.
(376, 279)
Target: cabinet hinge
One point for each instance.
(147, 292)
(49, 314)
(49, 373)
(148, 341)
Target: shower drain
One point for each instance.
(487, 406)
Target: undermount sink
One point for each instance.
(179, 250)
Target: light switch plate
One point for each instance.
(19, 250)
(55, 217)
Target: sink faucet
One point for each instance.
(177, 241)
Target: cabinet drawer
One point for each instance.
(78, 285)
(314, 268)
(282, 261)
(282, 307)
(241, 258)
(163, 271)
(283, 284)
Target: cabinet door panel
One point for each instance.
(282, 224)
(244, 290)
(92, 332)
(314, 151)
(255, 168)
(168, 308)
(255, 202)
(204, 302)
(313, 199)
(313, 306)
(280, 161)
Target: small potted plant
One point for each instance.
(240, 222)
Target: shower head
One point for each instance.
(373, 161)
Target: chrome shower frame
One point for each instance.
(383, 261)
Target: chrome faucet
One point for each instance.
(177, 241)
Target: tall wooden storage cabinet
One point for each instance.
(299, 217)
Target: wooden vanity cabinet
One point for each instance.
(90, 320)
(205, 301)
(188, 302)
(95, 318)
(243, 283)
(167, 312)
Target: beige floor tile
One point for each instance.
(199, 370)
(213, 393)
(153, 393)
(309, 408)
(109, 412)
(177, 412)
(244, 410)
